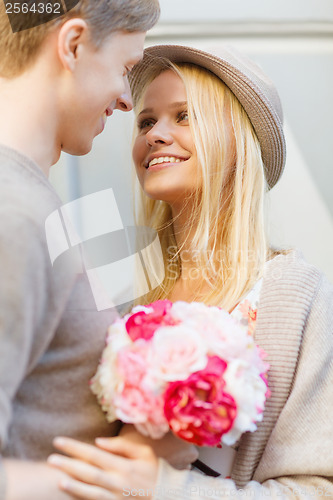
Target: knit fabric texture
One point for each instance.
(51, 334)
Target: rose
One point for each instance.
(132, 363)
(142, 408)
(143, 324)
(177, 352)
(198, 409)
(224, 336)
(134, 404)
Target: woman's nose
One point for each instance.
(159, 133)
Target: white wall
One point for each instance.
(208, 10)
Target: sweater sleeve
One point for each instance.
(297, 461)
(3, 481)
(173, 484)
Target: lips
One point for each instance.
(163, 159)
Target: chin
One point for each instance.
(164, 191)
(157, 194)
(167, 197)
(77, 149)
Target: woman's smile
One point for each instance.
(163, 161)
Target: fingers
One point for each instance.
(125, 448)
(84, 472)
(89, 453)
(85, 491)
(116, 463)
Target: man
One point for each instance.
(59, 81)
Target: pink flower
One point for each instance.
(161, 307)
(177, 351)
(143, 409)
(132, 362)
(198, 409)
(143, 325)
(133, 404)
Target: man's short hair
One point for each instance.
(19, 50)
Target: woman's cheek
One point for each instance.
(139, 151)
(139, 154)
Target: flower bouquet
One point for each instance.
(182, 366)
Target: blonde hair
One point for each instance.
(19, 50)
(228, 211)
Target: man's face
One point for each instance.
(98, 86)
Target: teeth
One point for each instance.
(164, 159)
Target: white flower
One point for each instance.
(224, 335)
(244, 383)
(177, 351)
(107, 380)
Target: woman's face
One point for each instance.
(164, 153)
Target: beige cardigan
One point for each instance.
(290, 456)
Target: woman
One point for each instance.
(209, 142)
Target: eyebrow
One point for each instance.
(173, 105)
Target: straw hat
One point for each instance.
(246, 80)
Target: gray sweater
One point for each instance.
(51, 335)
(290, 456)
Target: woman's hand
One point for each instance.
(108, 471)
(174, 450)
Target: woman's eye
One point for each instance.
(147, 123)
(183, 116)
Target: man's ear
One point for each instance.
(73, 33)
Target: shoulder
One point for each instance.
(25, 192)
(291, 275)
(26, 201)
(293, 292)
(290, 265)
(296, 300)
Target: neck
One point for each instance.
(184, 236)
(195, 270)
(28, 117)
(182, 231)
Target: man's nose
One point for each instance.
(124, 102)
